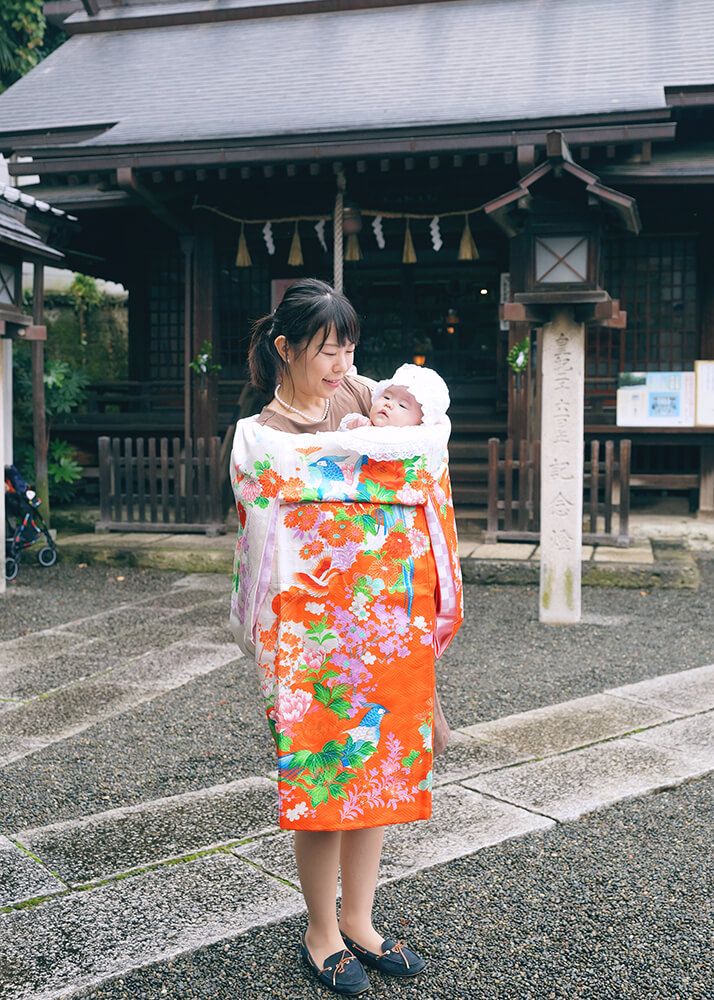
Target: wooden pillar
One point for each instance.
(706, 297)
(518, 397)
(561, 504)
(139, 321)
(187, 247)
(39, 416)
(205, 395)
(706, 352)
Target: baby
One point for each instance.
(412, 396)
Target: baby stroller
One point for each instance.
(23, 524)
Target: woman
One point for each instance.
(338, 597)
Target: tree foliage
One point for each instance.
(25, 38)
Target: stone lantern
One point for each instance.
(555, 218)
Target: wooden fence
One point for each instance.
(148, 486)
(514, 492)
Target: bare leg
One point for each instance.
(359, 860)
(317, 853)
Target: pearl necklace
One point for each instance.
(310, 420)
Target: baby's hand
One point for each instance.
(353, 420)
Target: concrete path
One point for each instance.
(186, 868)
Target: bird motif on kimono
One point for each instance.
(331, 469)
(367, 732)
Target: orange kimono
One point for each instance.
(346, 586)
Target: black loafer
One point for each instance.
(396, 958)
(341, 973)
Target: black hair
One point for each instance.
(307, 306)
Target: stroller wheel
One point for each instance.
(12, 568)
(47, 556)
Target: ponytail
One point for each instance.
(264, 362)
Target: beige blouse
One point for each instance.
(353, 396)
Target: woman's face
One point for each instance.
(318, 371)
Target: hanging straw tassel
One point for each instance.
(353, 251)
(409, 254)
(243, 255)
(467, 246)
(295, 258)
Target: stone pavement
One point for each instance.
(137, 799)
(658, 563)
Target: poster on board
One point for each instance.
(655, 399)
(704, 392)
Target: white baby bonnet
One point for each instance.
(426, 386)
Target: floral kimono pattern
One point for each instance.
(346, 586)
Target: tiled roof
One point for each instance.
(15, 196)
(457, 62)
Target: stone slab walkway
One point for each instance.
(138, 827)
(89, 899)
(644, 564)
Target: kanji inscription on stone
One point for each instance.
(563, 349)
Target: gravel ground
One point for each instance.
(41, 598)
(617, 906)
(212, 730)
(504, 661)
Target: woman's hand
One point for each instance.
(442, 732)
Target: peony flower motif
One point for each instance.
(396, 545)
(250, 489)
(313, 658)
(292, 708)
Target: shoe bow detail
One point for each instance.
(398, 949)
(340, 965)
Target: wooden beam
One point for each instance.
(526, 157)
(39, 415)
(61, 159)
(127, 180)
(205, 398)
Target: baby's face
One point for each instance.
(396, 407)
